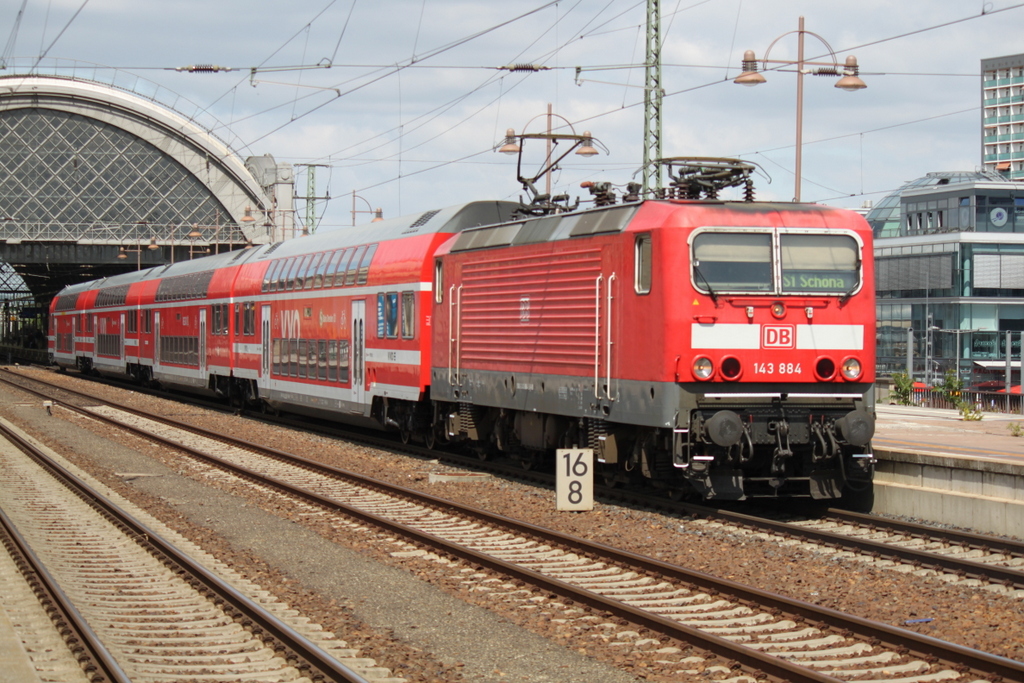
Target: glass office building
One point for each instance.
(1002, 101)
(949, 255)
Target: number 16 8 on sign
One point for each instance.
(574, 479)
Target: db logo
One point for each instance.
(778, 337)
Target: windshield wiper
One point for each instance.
(846, 297)
(711, 290)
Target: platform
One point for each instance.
(936, 466)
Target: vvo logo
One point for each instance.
(778, 337)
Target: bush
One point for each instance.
(951, 386)
(902, 387)
(969, 411)
(1015, 429)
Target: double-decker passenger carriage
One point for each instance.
(334, 325)
(719, 348)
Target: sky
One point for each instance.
(404, 102)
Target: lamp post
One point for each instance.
(848, 80)
(378, 213)
(513, 143)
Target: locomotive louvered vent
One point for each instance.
(273, 247)
(241, 252)
(68, 302)
(191, 286)
(421, 221)
(112, 296)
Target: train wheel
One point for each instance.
(429, 438)
(610, 479)
(405, 435)
(528, 461)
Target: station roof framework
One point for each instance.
(91, 171)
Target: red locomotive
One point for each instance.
(719, 348)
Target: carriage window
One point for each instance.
(332, 360)
(147, 321)
(321, 359)
(300, 276)
(313, 266)
(353, 266)
(301, 359)
(318, 279)
(819, 263)
(390, 315)
(343, 361)
(642, 268)
(341, 266)
(408, 315)
(288, 278)
(249, 318)
(293, 357)
(364, 266)
(276, 355)
(732, 262)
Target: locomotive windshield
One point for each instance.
(734, 262)
(818, 263)
(746, 262)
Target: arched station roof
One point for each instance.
(88, 164)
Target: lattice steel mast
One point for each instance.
(652, 99)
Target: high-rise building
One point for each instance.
(1002, 119)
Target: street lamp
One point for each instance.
(849, 81)
(378, 213)
(584, 145)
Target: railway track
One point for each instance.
(135, 607)
(765, 634)
(968, 559)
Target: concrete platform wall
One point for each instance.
(986, 495)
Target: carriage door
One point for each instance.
(122, 337)
(202, 340)
(358, 351)
(265, 323)
(156, 339)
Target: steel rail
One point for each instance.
(94, 658)
(981, 663)
(297, 647)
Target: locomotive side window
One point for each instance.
(438, 282)
(819, 263)
(733, 262)
(642, 265)
(408, 315)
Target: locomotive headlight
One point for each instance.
(703, 368)
(851, 369)
(779, 310)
